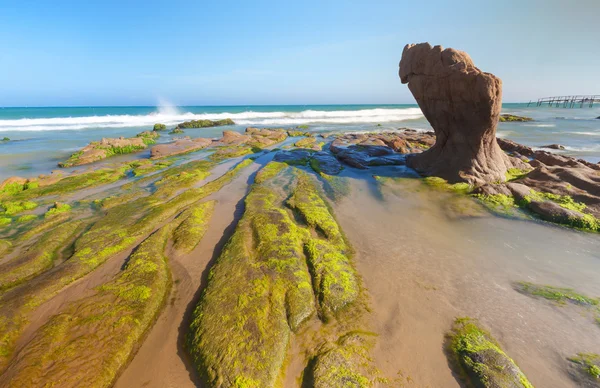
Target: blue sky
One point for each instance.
(55, 53)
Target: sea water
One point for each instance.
(41, 137)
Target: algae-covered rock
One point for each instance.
(204, 123)
(585, 369)
(39, 257)
(345, 363)
(260, 290)
(193, 226)
(105, 148)
(560, 295)
(14, 207)
(324, 162)
(481, 359)
(92, 340)
(159, 127)
(511, 118)
(309, 143)
(334, 279)
(119, 229)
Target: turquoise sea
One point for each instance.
(41, 137)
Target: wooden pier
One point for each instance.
(568, 101)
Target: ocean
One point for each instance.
(41, 137)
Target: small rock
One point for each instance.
(554, 146)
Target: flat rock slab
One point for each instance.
(326, 163)
(179, 147)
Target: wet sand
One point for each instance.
(161, 360)
(423, 270)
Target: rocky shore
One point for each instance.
(89, 260)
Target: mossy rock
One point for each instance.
(194, 222)
(11, 208)
(159, 127)
(40, 256)
(5, 139)
(558, 295)
(585, 369)
(345, 363)
(119, 229)
(263, 283)
(176, 131)
(205, 123)
(480, 358)
(93, 339)
(512, 118)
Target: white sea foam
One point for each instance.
(540, 125)
(170, 116)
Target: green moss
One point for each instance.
(500, 203)
(5, 221)
(58, 208)
(515, 173)
(481, 359)
(589, 362)
(345, 363)
(27, 218)
(303, 126)
(228, 152)
(586, 221)
(12, 208)
(115, 232)
(205, 123)
(442, 184)
(69, 184)
(93, 338)
(269, 171)
(176, 131)
(5, 139)
(159, 127)
(308, 142)
(194, 222)
(147, 167)
(556, 294)
(12, 188)
(511, 118)
(240, 329)
(113, 150)
(39, 257)
(261, 283)
(5, 246)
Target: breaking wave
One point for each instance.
(172, 117)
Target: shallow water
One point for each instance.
(423, 269)
(423, 266)
(42, 137)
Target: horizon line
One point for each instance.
(211, 106)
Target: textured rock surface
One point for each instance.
(462, 104)
(364, 150)
(180, 146)
(481, 358)
(107, 147)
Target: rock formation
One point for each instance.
(462, 104)
(99, 150)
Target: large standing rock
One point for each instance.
(462, 104)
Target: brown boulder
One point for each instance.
(462, 104)
(178, 147)
(232, 137)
